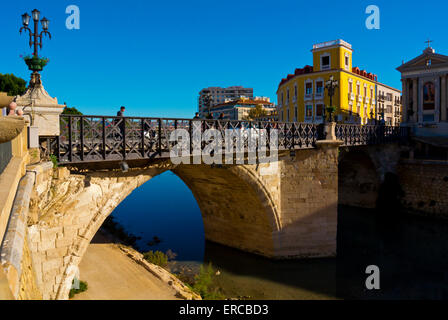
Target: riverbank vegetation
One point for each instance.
(83, 286)
(156, 257)
(204, 282)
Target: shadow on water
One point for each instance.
(411, 254)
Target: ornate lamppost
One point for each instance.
(34, 63)
(331, 86)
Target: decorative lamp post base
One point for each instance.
(42, 109)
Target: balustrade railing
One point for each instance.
(102, 138)
(355, 135)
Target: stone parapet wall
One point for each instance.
(15, 257)
(11, 175)
(425, 186)
(12, 132)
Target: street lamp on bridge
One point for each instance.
(34, 63)
(331, 86)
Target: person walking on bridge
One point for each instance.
(121, 122)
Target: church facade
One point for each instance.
(425, 94)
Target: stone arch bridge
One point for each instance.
(285, 209)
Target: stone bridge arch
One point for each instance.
(283, 210)
(238, 210)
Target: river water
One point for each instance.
(411, 252)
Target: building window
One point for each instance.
(388, 109)
(319, 87)
(325, 62)
(319, 112)
(347, 61)
(309, 88)
(295, 93)
(365, 91)
(350, 87)
(295, 114)
(358, 89)
(287, 115)
(429, 96)
(287, 95)
(309, 112)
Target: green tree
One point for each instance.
(11, 84)
(256, 113)
(73, 110)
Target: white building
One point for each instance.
(221, 95)
(388, 104)
(425, 94)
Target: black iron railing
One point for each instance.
(356, 135)
(102, 138)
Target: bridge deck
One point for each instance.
(86, 139)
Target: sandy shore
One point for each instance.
(112, 275)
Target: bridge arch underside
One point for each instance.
(237, 211)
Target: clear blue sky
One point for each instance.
(155, 56)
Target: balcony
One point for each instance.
(351, 96)
(373, 101)
(367, 100)
(359, 98)
(319, 93)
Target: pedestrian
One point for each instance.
(210, 116)
(221, 116)
(196, 116)
(121, 112)
(121, 122)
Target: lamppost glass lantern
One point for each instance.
(36, 14)
(25, 19)
(45, 22)
(35, 63)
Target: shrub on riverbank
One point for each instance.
(83, 286)
(204, 283)
(158, 258)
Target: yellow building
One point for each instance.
(302, 96)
